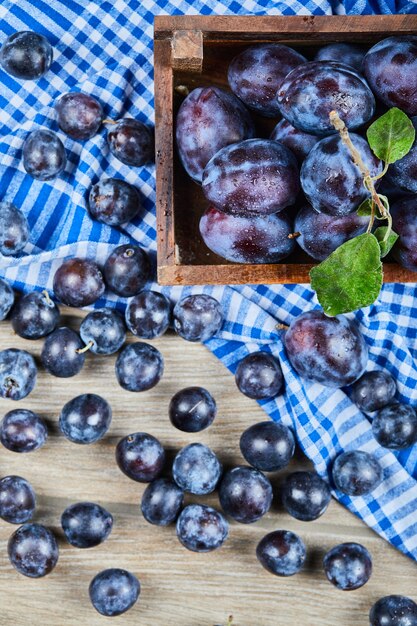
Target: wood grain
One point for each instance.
(179, 588)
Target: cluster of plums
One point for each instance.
(253, 184)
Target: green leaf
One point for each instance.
(391, 135)
(351, 277)
(386, 245)
(364, 209)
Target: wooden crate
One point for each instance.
(195, 51)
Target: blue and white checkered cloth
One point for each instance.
(105, 48)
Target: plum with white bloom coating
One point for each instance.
(192, 409)
(126, 270)
(404, 223)
(196, 469)
(356, 473)
(395, 426)
(14, 229)
(62, 354)
(85, 419)
(161, 502)
(139, 367)
(44, 154)
(17, 500)
(299, 142)
(78, 282)
(26, 55)
(259, 376)
(327, 350)
(281, 552)
(256, 74)
(209, 119)
(348, 566)
(255, 176)
(35, 315)
(197, 317)
(249, 239)
(245, 494)
(393, 611)
(331, 182)
(311, 91)
(113, 201)
(373, 391)
(103, 331)
(33, 550)
(22, 430)
(18, 374)
(267, 446)
(305, 495)
(201, 528)
(131, 142)
(79, 115)
(148, 314)
(86, 524)
(347, 53)
(114, 591)
(141, 457)
(6, 299)
(391, 70)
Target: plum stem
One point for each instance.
(87, 347)
(282, 327)
(49, 302)
(108, 120)
(294, 235)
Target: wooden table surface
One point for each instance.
(179, 588)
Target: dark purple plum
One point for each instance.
(14, 229)
(373, 391)
(192, 409)
(251, 239)
(18, 374)
(85, 419)
(327, 350)
(62, 354)
(23, 431)
(255, 176)
(256, 74)
(320, 234)
(348, 566)
(139, 367)
(44, 154)
(209, 119)
(347, 53)
(78, 282)
(148, 314)
(86, 524)
(404, 222)
(305, 495)
(114, 591)
(296, 140)
(26, 55)
(395, 426)
(331, 182)
(197, 317)
(312, 90)
(259, 376)
(103, 331)
(393, 611)
(35, 315)
(161, 502)
(6, 299)
(267, 446)
(356, 473)
(245, 494)
(391, 70)
(141, 457)
(196, 469)
(33, 550)
(403, 173)
(113, 201)
(127, 270)
(201, 528)
(131, 142)
(17, 500)
(79, 115)
(281, 552)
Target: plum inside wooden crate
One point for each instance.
(195, 51)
